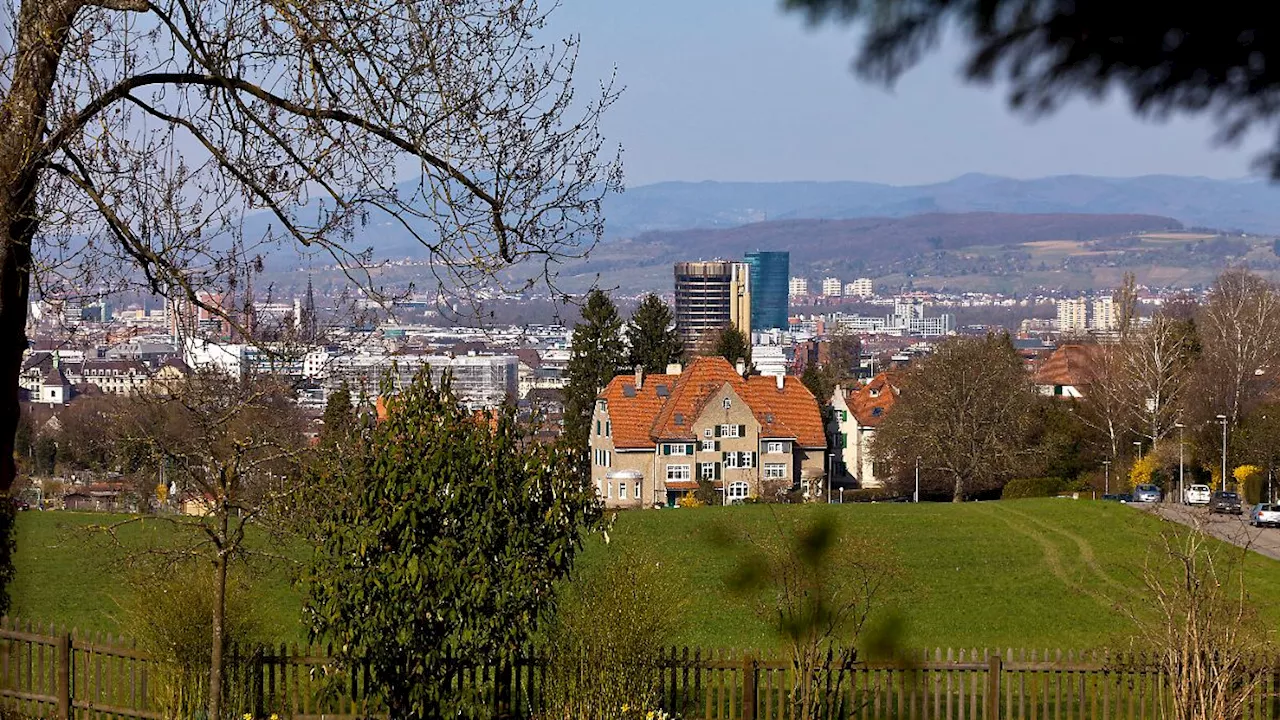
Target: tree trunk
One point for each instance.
(219, 626)
(41, 35)
(957, 494)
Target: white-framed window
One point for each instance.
(775, 470)
(678, 472)
(737, 492)
(729, 431)
(748, 459)
(608, 428)
(602, 458)
(622, 490)
(706, 433)
(679, 449)
(707, 471)
(775, 447)
(609, 491)
(727, 403)
(731, 460)
(708, 445)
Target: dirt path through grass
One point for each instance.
(1051, 552)
(1087, 555)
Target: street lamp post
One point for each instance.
(1106, 470)
(1223, 419)
(1138, 444)
(916, 497)
(1181, 489)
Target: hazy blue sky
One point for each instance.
(738, 90)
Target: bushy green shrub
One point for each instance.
(172, 620)
(606, 640)
(1032, 488)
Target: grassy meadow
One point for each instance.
(1031, 573)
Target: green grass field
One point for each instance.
(1033, 573)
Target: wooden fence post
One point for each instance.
(748, 687)
(994, 668)
(64, 676)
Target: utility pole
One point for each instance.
(917, 495)
(1181, 487)
(1223, 419)
(1106, 470)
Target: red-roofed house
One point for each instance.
(858, 411)
(653, 437)
(1068, 371)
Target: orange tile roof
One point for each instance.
(1068, 365)
(871, 402)
(632, 417)
(794, 409)
(644, 418)
(690, 393)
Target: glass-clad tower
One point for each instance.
(770, 286)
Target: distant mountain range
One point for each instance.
(1250, 205)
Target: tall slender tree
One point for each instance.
(596, 356)
(652, 337)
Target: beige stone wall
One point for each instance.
(636, 461)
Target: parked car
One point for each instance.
(1147, 493)
(1225, 502)
(1119, 497)
(1265, 515)
(1197, 495)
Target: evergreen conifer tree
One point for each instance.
(596, 356)
(652, 336)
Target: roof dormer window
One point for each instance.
(727, 403)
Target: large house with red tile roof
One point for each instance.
(857, 412)
(653, 437)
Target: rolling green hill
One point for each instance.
(1034, 573)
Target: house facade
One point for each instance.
(857, 412)
(654, 437)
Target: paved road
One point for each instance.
(1232, 528)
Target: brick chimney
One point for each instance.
(673, 368)
(741, 367)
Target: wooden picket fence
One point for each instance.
(51, 674)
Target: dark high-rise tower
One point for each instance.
(770, 275)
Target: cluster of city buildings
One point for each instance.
(798, 287)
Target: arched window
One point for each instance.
(737, 492)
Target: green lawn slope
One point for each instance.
(1031, 573)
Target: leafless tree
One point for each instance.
(137, 135)
(1197, 617)
(232, 450)
(966, 412)
(1155, 372)
(1105, 407)
(1240, 333)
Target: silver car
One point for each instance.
(1147, 493)
(1265, 515)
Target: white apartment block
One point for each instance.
(862, 287)
(1106, 316)
(798, 287)
(1073, 315)
(831, 287)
